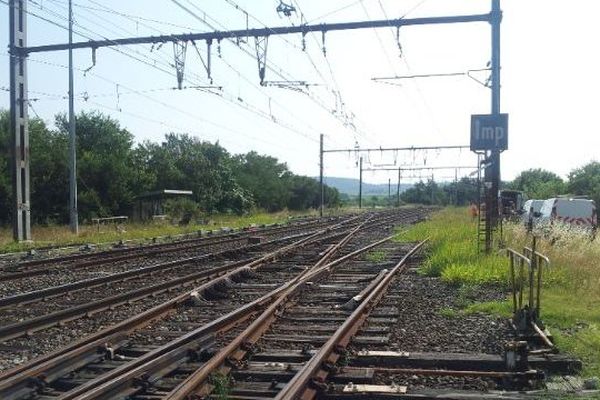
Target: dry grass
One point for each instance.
(568, 249)
(60, 235)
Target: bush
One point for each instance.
(183, 210)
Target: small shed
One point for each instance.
(150, 206)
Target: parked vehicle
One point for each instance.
(532, 210)
(571, 211)
(510, 203)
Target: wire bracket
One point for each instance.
(261, 44)
(399, 43)
(285, 9)
(179, 51)
(206, 63)
(93, 62)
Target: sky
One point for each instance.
(549, 79)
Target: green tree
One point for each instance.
(304, 193)
(538, 183)
(263, 177)
(48, 172)
(104, 167)
(462, 192)
(586, 181)
(184, 162)
(425, 193)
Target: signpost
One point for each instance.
(489, 132)
(489, 137)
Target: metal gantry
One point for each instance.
(456, 168)
(322, 152)
(19, 51)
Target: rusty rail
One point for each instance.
(79, 353)
(40, 267)
(260, 325)
(121, 377)
(298, 386)
(86, 350)
(44, 321)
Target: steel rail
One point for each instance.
(122, 276)
(76, 353)
(44, 321)
(260, 325)
(98, 258)
(298, 386)
(145, 365)
(86, 350)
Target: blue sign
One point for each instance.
(489, 132)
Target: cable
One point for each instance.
(171, 126)
(66, 19)
(330, 13)
(131, 17)
(160, 102)
(351, 115)
(262, 114)
(280, 73)
(387, 56)
(152, 65)
(254, 110)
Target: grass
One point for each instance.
(222, 385)
(571, 286)
(61, 236)
(376, 256)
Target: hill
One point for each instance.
(350, 186)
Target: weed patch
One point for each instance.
(570, 303)
(376, 256)
(222, 385)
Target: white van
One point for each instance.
(532, 208)
(575, 212)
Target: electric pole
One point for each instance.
(73, 215)
(389, 192)
(360, 183)
(322, 189)
(492, 173)
(398, 189)
(432, 193)
(19, 121)
(19, 51)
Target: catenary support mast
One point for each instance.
(19, 124)
(73, 215)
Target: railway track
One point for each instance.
(92, 296)
(121, 257)
(317, 319)
(232, 298)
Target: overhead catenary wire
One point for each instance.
(337, 90)
(261, 112)
(152, 99)
(408, 68)
(278, 70)
(263, 115)
(249, 108)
